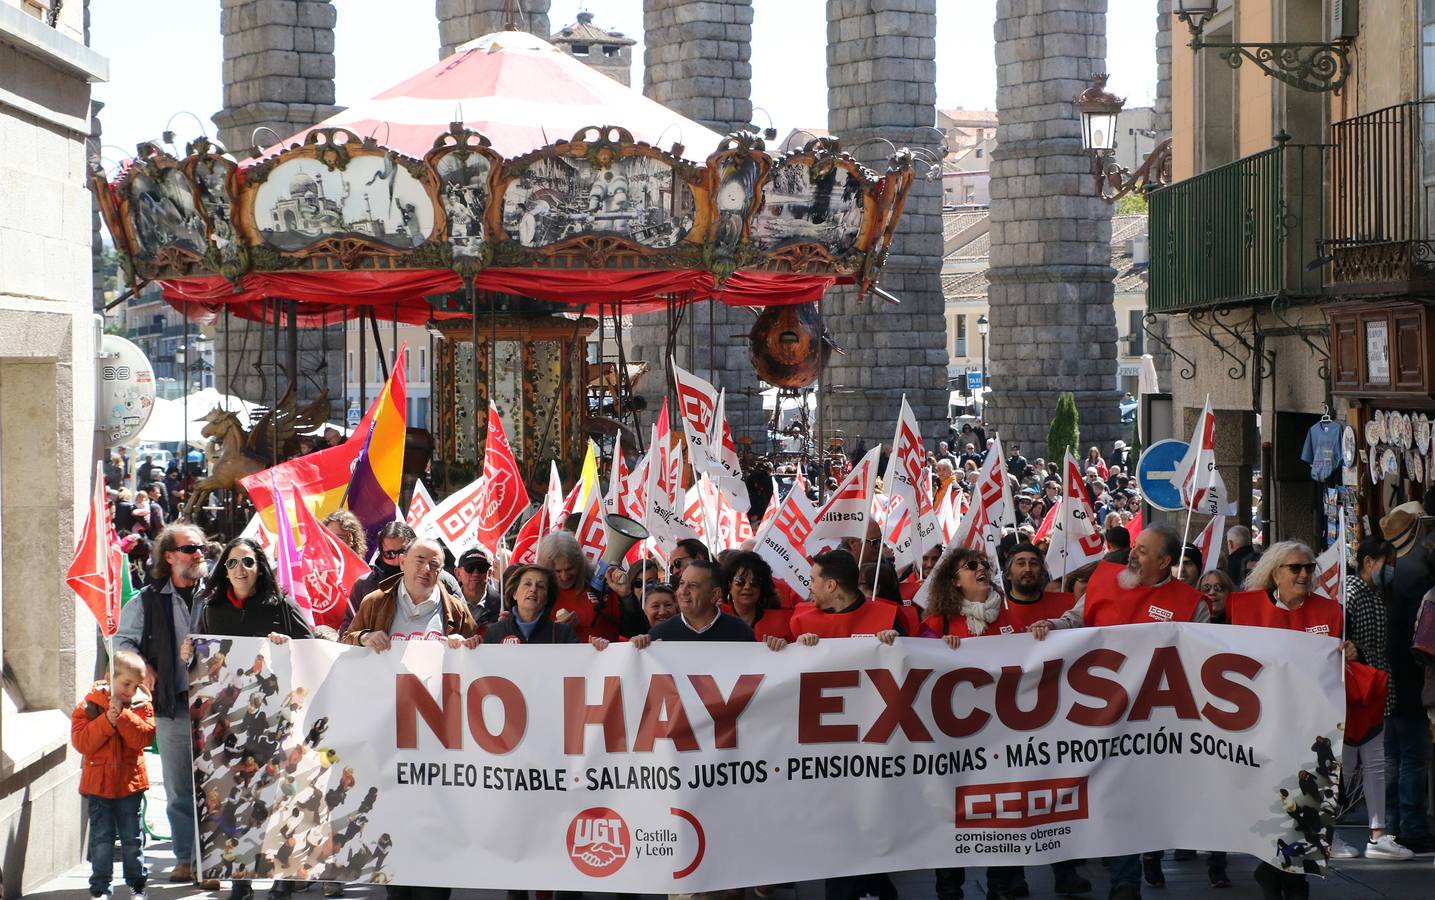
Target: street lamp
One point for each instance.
(982, 326)
(1312, 66)
(1098, 109)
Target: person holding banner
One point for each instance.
(752, 596)
(838, 608)
(1141, 591)
(243, 599)
(1278, 595)
(413, 605)
(528, 595)
(961, 602)
(699, 617)
(394, 539)
(1027, 599)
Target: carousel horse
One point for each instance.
(243, 452)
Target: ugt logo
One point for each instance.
(598, 841)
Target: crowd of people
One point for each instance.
(417, 590)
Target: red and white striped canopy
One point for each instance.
(519, 91)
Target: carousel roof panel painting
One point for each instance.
(509, 167)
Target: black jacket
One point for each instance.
(1236, 561)
(547, 631)
(1413, 577)
(157, 644)
(258, 617)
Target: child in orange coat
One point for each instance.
(111, 728)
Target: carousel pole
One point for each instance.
(394, 340)
(624, 385)
(821, 390)
(602, 382)
(292, 334)
(363, 364)
(274, 394)
(473, 404)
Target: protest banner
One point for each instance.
(660, 770)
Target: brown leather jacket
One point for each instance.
(376, 612)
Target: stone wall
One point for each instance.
(881, 84)
(278, 69)
(460, 21)
(47, 447)
(696, 63)
(1052, 323)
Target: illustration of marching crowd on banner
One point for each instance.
(688, 486)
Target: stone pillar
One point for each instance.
(1161, 124)
(97, 246)
(1053, 327)
(881, 83)
(696, 63)
(278, 69)
(460, 21)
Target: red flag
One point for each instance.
(1133, 527)
(94, 573)
(1047, 522)
(328, 566)
(504, 497)
(592, 528)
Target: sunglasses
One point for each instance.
(972, 565)
(476, 566)
(190, 548)
(1297, 568)
(744, 581)
(234, 562)
(391, 554)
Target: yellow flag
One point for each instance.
(589, 477)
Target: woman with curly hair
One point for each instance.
(752, 596)
(589, 611)
(346, 526)
(961, 601)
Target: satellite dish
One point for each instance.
(126, 391)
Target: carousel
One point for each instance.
(550, 202)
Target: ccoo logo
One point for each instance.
(598, 841)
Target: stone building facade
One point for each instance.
(48, 340)
(610, 52)
(460, 21)
(1052, 326)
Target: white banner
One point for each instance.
(659, 771)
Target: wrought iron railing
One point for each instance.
(1379, 169)
(1246, 231)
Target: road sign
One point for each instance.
(1156, 471)
(354, 416)
(974, 381)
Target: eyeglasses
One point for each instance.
(972, 565)
(432, 565)
(391, 554)
(476, 565)
(744, 581)
(190, 548)
(234, 562)
(1297, 568)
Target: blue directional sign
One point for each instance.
(1156, 471)
(974, 381)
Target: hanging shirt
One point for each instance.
(1322, 450)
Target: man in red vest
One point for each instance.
(1027, 600)
(1144, 590)
(838, 607)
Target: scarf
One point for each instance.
(981, 613)
(234, 599)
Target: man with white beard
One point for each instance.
(1144, 590)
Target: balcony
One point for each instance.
(1380, 178)
(1240, 234)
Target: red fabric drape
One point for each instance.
(327, 296)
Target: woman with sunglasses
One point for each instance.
(243, 599)
(961, 602)
(752, 596)
(1279, 593)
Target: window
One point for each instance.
(351, 365)
(580, 49)
(969, 196)
(980, 152)
(423, 372)
(406, 360)
(1136, 334)
(1427, 79)
(959, 345)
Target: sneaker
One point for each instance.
(137, 894)
(1151, 870)
(1384, 847)
(1417, 843)
(1341, 850)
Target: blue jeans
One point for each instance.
(1407, 746)
(110, 819)
(176, 761)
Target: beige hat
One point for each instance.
(1401, 526)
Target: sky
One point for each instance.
(165, 57)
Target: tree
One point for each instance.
(1065, 431)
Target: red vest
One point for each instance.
(1108, 603)
(586, 621)
(772, 623)
(869, 618)
(1317, 615)
(1019, 616)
